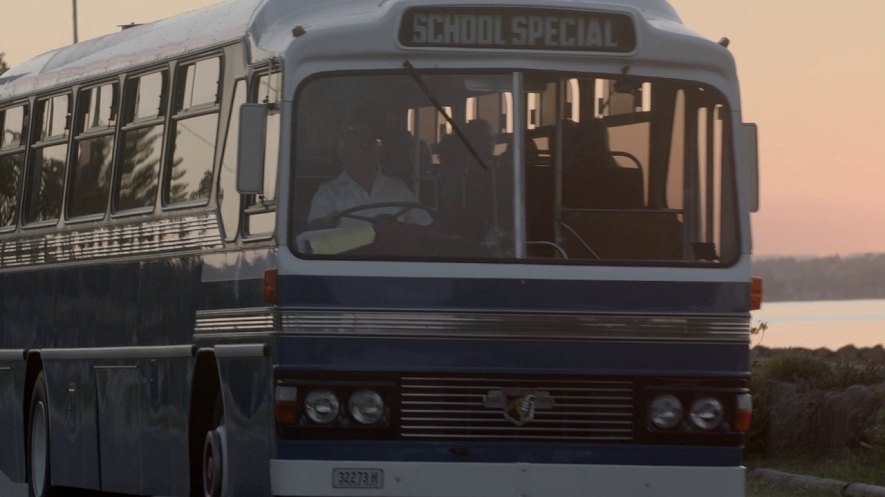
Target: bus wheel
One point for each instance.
(39, 471)
(213, 462)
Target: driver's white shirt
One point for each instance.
(343, 192)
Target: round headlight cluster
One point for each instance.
(323, 407)
(366, 407)
(706, 413)
(665, 411)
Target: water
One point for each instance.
(829, 324)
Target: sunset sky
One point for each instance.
(812, 75)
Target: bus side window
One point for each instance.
(91, 165)
(261, 209)
(12, 155)
(228, 197)
(195, 127)
(143, 127)
(46, 173)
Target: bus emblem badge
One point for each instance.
(521, 410)
(519, 405)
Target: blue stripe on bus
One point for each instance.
(502, 452)
(510, 356)
(511, 294)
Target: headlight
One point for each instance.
(321, 406)
(706, 413)
(366, 406)
(665, 411)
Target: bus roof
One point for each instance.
(266, 24)
(132, 47)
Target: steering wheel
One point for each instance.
(439, 244)
(384, 217)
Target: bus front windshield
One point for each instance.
(527, 166)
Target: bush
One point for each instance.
(814, 371)
(847, 373)
(804, 388)
(792, 366)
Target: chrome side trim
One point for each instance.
(105, 353)
(264, 321)
(147, 237)
(11, 355)
(528, 326)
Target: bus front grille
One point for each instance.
(517, 408)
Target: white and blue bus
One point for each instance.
(362, 248)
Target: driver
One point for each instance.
(361, 182)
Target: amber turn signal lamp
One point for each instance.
(756, 293)
(744, 416)
(270, 286)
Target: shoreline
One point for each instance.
(813, 324)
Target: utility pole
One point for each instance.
(76, 37)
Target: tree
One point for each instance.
(3, 66)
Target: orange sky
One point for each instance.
(812, 74)
(813, 77)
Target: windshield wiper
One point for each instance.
(421, 84)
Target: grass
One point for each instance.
(849, 468)
(759, 488)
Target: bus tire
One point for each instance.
(38, 454)
(213, 463)
(206, 413)
(214, 458)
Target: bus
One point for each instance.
(362, 248)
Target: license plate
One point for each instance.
(357, 478)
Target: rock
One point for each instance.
(825, 485)
(846, 416)
(791, 419)
(863, 490)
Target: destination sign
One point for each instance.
(544, 29)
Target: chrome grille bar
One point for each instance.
(453, 407)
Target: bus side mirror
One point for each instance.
(250, 155)
(751, 156)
